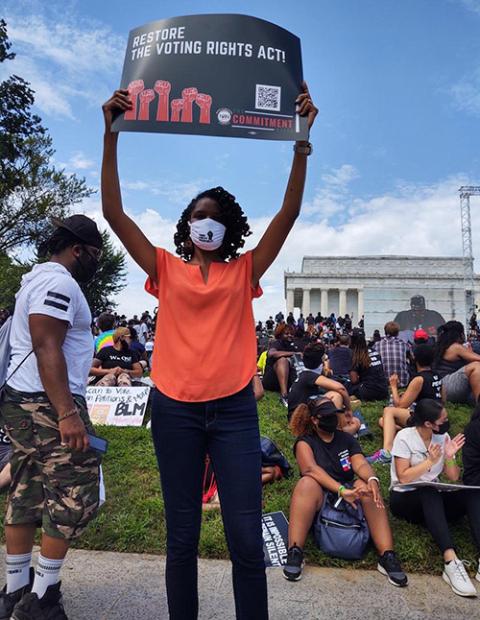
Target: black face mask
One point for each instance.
(125, 346)
(86, 267)
(442, 428)
(328, 423)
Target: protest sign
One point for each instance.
(117, 406)
(218, 75)
(440, 486)
(275, 538)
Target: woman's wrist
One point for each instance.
(451, 462)
(341, 490)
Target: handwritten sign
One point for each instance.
(117, 406)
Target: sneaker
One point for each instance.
(455, 575)
(295, 563)
(382, 457)
(389, 566)
(284, 401)
(8, 601)
(49, 607)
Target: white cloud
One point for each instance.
(472, 5)
(413, 220)
(64, 61)
(176, 193)
(466, 93)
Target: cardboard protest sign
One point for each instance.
(117, 406)
(217, 75)
(275, 538)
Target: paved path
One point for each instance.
(121, 586)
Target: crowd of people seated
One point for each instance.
(318, 366)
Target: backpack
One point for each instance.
(271, 455)
(341, 530)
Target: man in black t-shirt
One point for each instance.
(117, 365)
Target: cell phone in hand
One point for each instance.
(97, 443)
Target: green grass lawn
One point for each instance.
(132, 518)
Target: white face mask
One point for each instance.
(207, 234)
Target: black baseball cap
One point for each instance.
(82, 227)
(323, 408)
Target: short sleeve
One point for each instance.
(150, 285)
(353, 446)
(56, 296)
(306, 439)
(401, 447)
(135, 357)
(100, 355)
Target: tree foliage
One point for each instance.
(32, 190)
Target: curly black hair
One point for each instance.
(233, 219)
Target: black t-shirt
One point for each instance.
(269, 323)
(373, 377)
(111, 358)
(471, 453)
(302, 388)
(280, 345)
(334, 457)
(340, 360)
(432, 385)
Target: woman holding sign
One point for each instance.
(204, 400)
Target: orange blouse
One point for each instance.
(205, 343)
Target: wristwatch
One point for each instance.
(306, 149)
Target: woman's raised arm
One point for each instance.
(274, 237)
(138, 246)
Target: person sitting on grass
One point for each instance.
(457, 365)
(138, 347)
(311, 382)
(117, 365)
(421, 453)
(425, 384)
(279, 373)
(368, 381)
(331, 461)
(340, 359)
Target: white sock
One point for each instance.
(47, 574)
(18, 571)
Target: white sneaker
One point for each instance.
(455, 575)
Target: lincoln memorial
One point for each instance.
(378, 287)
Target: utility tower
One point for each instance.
(468, 276)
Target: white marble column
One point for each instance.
(289, 299)
(342, 302)
(306, 302)
(360, 310)
(324, 302)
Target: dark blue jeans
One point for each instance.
(226, 429)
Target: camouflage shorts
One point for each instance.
(52, 486)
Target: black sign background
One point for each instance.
(251, 69)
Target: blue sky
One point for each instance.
(397, 85)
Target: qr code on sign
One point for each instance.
(268, 97)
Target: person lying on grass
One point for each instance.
(311, 382)
(421, 453)
(425, 384)
(331, 461)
